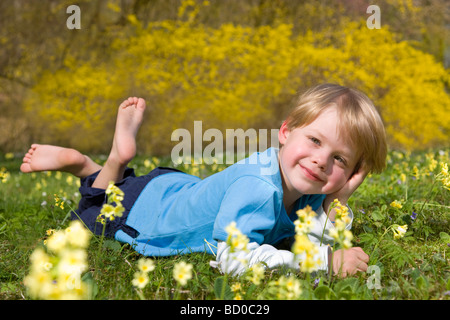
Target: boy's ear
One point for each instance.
(283, 133)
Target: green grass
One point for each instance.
(413, 267)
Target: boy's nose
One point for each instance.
(321, 161)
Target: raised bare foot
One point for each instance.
(129, 120)
(44, 157)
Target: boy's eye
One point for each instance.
(314, 140)
(340, 159)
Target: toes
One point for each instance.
(132, 100)
(25, 167)
(140, 104)
(124, 104)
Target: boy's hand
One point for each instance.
(348, 261)
(347, 190)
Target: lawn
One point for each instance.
(414, 265)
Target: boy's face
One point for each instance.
(314, 159)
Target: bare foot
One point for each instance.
(44, 157)
(129, 120)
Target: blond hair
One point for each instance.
(358, 121)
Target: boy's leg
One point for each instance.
(43, 157)
(129, 119)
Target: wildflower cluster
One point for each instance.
(340, 234)
(303, 247)
(396, 204)
(285, 288)
(110, 211)
(444, 176)
(56, 269)
(399, 231)
(4, 175)
(59, 202)
(236, 240)
(182, 272)
(141, 278)
(256, 273)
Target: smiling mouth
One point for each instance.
(311, 175)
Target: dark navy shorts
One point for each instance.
(92, 200)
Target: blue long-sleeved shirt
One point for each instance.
(178, 213)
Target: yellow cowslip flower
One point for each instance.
(396, 204)
(140, 280)
(56, 274)
(69, 180)
(310, 263)
(59, 202)
(432, 165)
(118, 198)
(415, 172)
(40, 260)
(147, 163)
(403, 178)
(146, 265)
(257, 273)
(231, 229)
(444, 169)
(236, 240)
(237, 296)
(182, 272)
(107, 211)
(77, 235)
(304, 223)
(301, 244)
(118, 210)
(236, 287)
(57, 241)
(238, 243)
(69, 286)
(4, 175)
(347, 241)
(342, 219)
(114, 190)
(307, 252)
(444, 175)
(399, 231)
(39, 284)
(303, 247)
(72, 261)
(286, 288)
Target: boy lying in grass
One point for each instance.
(328, 144)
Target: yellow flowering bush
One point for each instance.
(236, 76)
